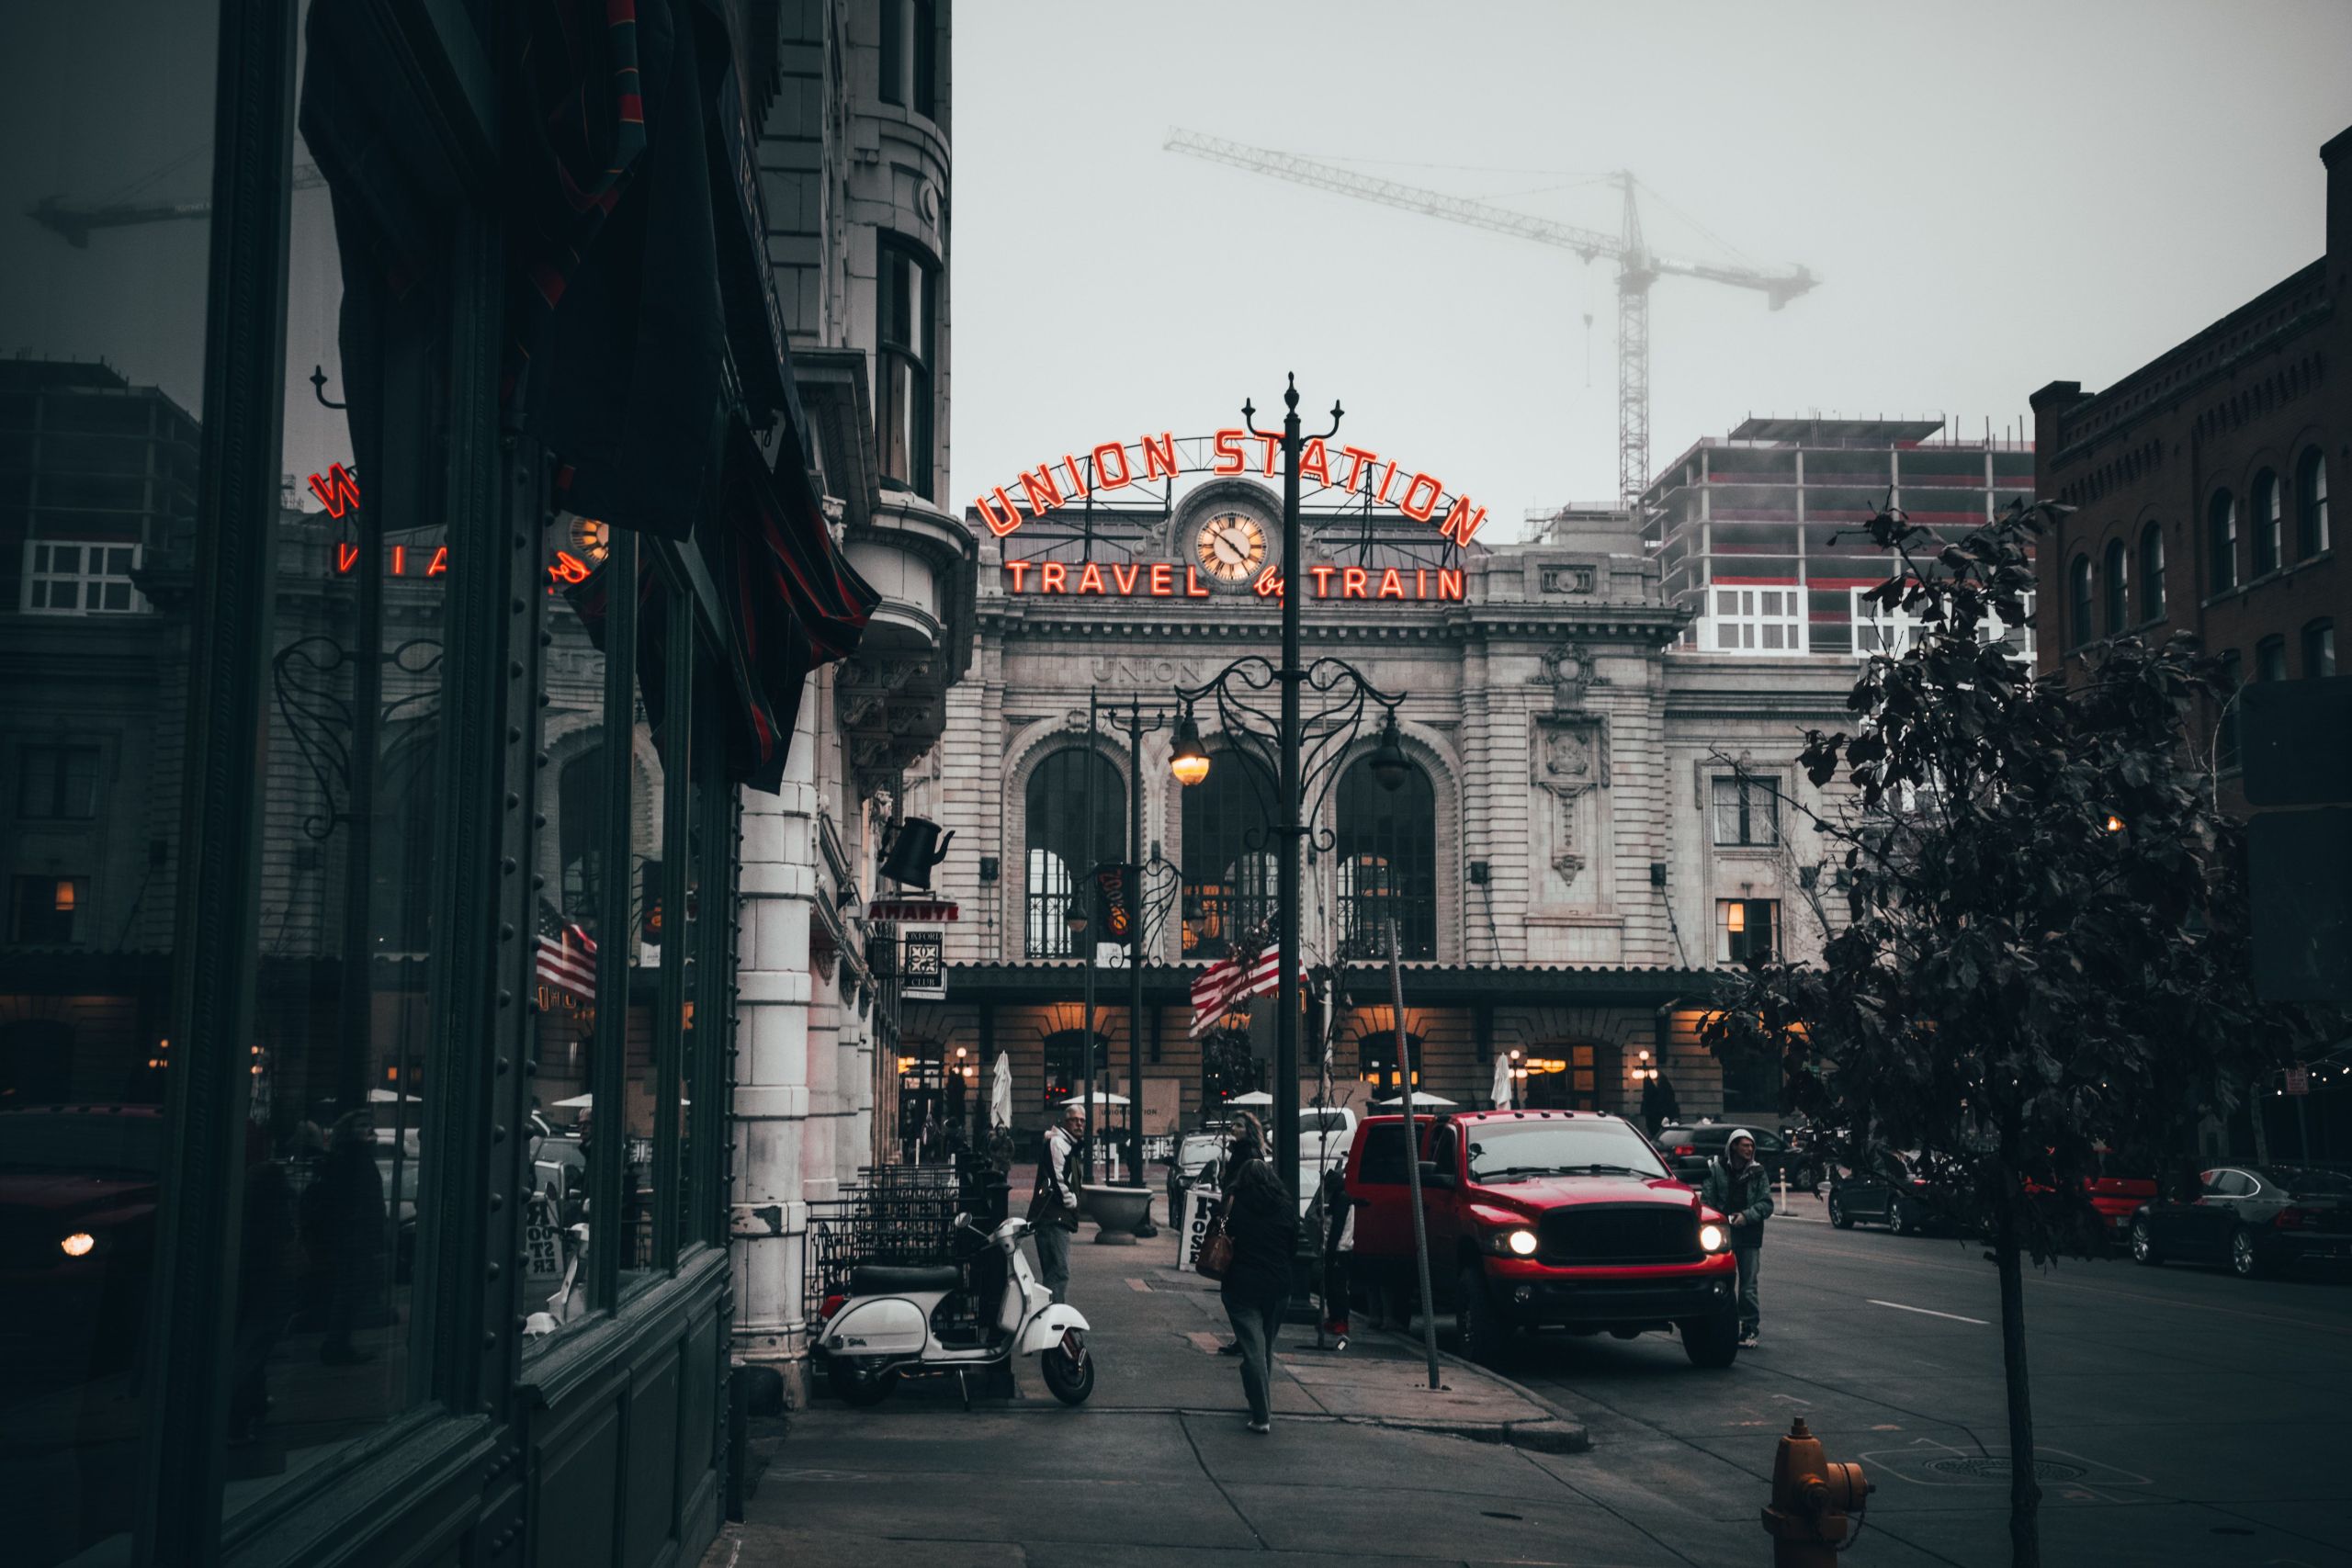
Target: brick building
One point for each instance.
(2200, 481)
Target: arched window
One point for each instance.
(1387, 854)
(2221, 540)
(1376, 1060)
(1062, 848)
(2311, 503)
(2078, 601)
(2270, 523)
(1066, 1069)
(2119, 603)
(1228, 885)
(2151, 573)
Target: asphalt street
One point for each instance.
(2182, 1416)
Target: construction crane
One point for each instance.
(74, 219)
(1638, 267)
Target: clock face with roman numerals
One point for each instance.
(1231, 547)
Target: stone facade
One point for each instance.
(855, 170)
(1576, 894)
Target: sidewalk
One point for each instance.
(1158, 1471)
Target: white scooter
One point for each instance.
(953, 1318)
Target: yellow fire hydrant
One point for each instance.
(1811, 1498)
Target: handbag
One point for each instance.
(1215, 1257)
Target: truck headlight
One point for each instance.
(1712, 1238)
(1519, 1243)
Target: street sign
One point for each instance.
(2296, 741)
(2299, 879)
(2299, 1079)
(922, 965)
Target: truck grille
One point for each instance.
(1646, 1233)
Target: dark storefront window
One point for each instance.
(1061, 848)
(1388, 855)
(1747, 927)
(1228, 884)
(1376, 1060)
(1066, 1065)
(104, 331)
(907, 307)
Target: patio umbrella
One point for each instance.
(1000, 1091)
(391, 1097)
(1418, 1101)
(1255, 1097)
(587, 1102)
(1500, 1090)
(1103, 1099)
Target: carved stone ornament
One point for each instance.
(1568, 669)
(1571, 760)
(1574, 579)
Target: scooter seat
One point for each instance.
(883, 1279)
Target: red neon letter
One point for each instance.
(1449, 583)
(1192, 589)
(440, 562)
(400, 561)
(1269, 583)
(1020, 568)
(1102, 455)
(1357, 457)
(1322, 580)
(1163, 580)
(1315, 463)
(1352, 581)
(1391, 585)
(345, 555)
(1420, 512)
(1076, 485)
(1226, 445)
(1159, 456)
(1125, 576)
(1420, 583)
(999, 526)
(1274, 445)
(1091, 580)
(1037, 491)
(1461, 522)
(1053, 578)
(1385, 483)
(337, 491)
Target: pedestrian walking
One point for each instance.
(1658, 1104)
(1262, 1223)
(1736, 1186)
(1339, 1255)
(1053, 1204)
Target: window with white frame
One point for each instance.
(80, 577)
(1756, 620)
(1888, 629)
(1745, 810)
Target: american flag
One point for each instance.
(1226, 981)
(567, 954)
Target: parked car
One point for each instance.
(78, 1190)
(2252, 1218)
(1901, 1189)
(1690, 1150)
(1196, 1152)
(1543, 1218)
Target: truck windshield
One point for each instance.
(1542, 1148)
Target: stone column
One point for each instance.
(770, 1213)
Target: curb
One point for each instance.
(1560, 1433)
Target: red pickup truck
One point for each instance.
(1543, 1218)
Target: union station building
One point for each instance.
(1594, 817)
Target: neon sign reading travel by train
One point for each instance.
(1168, 579)
(1115, 464)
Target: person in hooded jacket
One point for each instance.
(1262, 1220)
(1736, 1186)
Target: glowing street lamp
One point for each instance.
(1188, 759)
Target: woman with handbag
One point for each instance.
(1260, 1221)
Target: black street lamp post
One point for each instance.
(1304, 750)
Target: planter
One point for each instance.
(1117, 1211)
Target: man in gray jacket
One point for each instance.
(1736, 1186)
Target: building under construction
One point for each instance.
(1760, 532)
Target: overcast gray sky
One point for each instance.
(1994, 196)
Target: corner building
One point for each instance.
(1568, 857)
